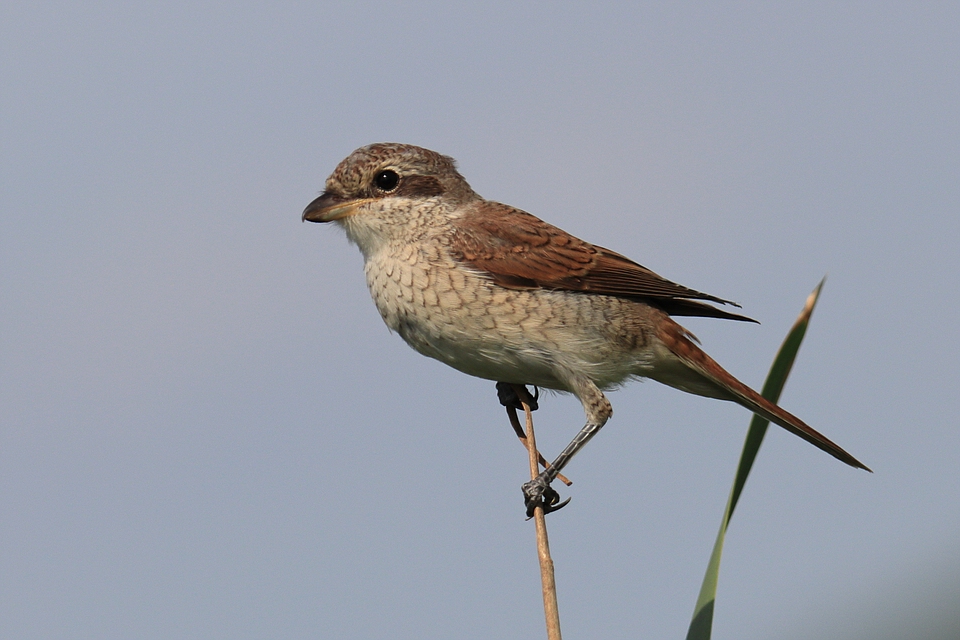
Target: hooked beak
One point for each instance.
(329, 207)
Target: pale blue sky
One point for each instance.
(207, 432)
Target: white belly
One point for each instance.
(462, 319)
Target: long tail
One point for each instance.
(714, 381)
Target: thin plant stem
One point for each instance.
(515, 423)
(551, 612)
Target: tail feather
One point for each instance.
(724, 385)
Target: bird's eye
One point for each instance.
(386, 180)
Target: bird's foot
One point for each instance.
(539, 493)
(508, 396)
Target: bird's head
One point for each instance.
(388, 191)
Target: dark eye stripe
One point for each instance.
(420, 187)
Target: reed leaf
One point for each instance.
(702, 623)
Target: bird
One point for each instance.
(497, 293)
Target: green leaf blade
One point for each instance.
(701, 625)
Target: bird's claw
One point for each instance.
(508, 397)
(539, 493)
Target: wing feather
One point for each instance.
(519, 251)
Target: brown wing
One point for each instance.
(520, 251)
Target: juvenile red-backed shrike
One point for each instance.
(500, 294)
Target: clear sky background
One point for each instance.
(206, 431)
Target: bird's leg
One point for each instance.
(510, 398)
(538, 491)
